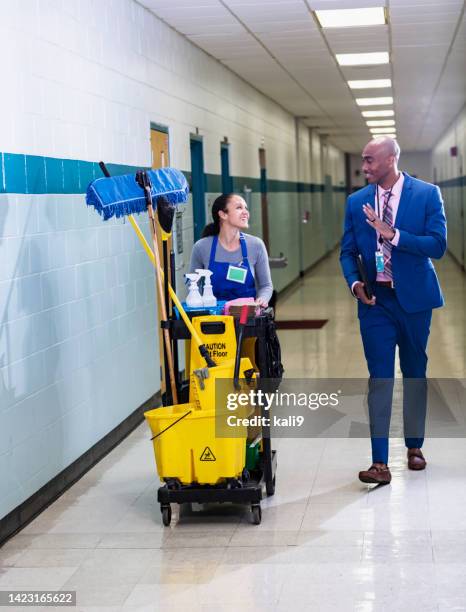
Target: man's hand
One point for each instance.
(385, 230)
(359, 292)
(261, 302)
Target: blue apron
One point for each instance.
(223, 288)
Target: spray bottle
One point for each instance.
(208, 298)
(194, 299)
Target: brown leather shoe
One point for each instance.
(416, 459)
(378, 473)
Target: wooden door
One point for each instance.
(160, 158)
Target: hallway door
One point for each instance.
(198, 185)
(160, 158)
(264, 201)
(227, 182)
(327, 213)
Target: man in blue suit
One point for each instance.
(397, 224)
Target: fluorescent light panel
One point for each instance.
(370, 84)
(382, 130)
(378, 113)
(387, 135)
(350, 18)
(374, 101)
(362, 59)
(381, 123)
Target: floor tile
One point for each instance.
(327, 542)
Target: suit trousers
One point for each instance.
(383, 327)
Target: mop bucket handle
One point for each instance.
(171, 425)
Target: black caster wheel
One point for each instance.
(270, 487)
(173, 483)
(166, 515)
(256, 514)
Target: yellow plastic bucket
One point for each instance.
(188, 448)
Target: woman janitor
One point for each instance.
(238, 261)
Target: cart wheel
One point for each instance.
(166, 515)
(256, 514)
(270, 487)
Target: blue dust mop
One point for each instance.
(119, 196)
(124, 195)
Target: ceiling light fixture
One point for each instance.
(378, 113)
(363, 59)
(347, 18)
(374, 101)
(382, 130)
(370, 84)
(386, 135)
(381, 123)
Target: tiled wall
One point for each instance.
(77, 335)
(78, 332)
(450, 173)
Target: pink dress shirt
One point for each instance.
(395, 202)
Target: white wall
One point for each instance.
(449, 173)
(316, 159)
(417, 164)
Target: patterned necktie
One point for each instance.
(387, 245)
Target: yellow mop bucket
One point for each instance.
(186, 448)
(184, 436)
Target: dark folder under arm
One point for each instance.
(363, 276)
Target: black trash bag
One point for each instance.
(273, 360)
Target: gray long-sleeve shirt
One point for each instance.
(257, 257)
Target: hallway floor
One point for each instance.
(326, 542)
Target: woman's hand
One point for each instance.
(261, 302)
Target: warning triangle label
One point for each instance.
(207, 455)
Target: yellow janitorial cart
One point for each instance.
(199, 456)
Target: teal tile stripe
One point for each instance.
(15, 173)
(459, 181)
(310, 188)
(37, 175)
(240, 182)
(213, 183)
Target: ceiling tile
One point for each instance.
(287, 46)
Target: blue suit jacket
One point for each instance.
(423, 235)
